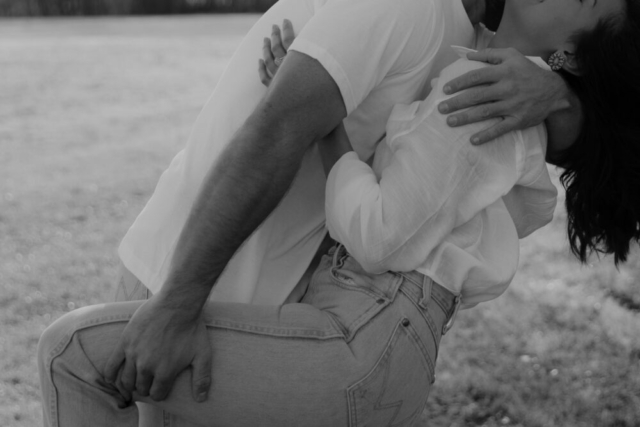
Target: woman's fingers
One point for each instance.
(274, 50)
(265, 77)
(268, 58)
(277, 49)
(287, 34)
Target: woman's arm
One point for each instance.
(334, 146)
(434, 182)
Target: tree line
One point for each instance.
(128, 7)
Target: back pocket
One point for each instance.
(351, 299)
(395, 391)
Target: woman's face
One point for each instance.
(545, 26)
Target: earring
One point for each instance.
(556, 61)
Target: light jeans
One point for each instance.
(359, 350)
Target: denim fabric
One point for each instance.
(359, 350)
(129, 287)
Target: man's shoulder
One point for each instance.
(411, 9)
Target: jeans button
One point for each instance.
(405, 322)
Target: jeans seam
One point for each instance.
(59, 349)
(413, 336)
(278, 332)
(351, 287)
(358, 322)
(428, 320)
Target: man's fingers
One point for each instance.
(112, 367)
(473, 78)
(287, 34)
(480, 113)
(265, 77)
(492, 56)
(267, 56)
(162, 384)
(201, 374)
(471, 98)
(144, 380)
(276, 43)
(505, 126)
(127, 381)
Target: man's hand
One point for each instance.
(161, 341)
(514, 89)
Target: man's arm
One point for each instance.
(167, 334)
(521, 93)
(302, 105)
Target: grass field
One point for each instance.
(92, 111)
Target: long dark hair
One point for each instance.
(602, 176)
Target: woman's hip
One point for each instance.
(360, 348)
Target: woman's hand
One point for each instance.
(274, 51)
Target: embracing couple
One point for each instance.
(302, 257)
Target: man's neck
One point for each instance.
(475, 10)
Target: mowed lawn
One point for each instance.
(93, 110)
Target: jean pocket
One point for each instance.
(349, 298)
(395, 391)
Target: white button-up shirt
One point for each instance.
(434, 203)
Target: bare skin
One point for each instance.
(518, 92)
(303, 104)
(271, 144)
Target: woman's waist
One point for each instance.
(478, 274)
(347, 269)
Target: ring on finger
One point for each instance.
(279, 60)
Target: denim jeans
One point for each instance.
(359, 350)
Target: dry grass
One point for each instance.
(92, 111)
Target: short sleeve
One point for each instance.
(359, 42)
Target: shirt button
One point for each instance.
(405, 322)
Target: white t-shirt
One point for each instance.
(434, 203)
(379, 52)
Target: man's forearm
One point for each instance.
(564, 124)
(239, 192)
(250, 177)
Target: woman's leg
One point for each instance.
(362, 353)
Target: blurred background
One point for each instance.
(128, 7)
(92, 110)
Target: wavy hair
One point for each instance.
(602, 175)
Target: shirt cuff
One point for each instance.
(344, 176)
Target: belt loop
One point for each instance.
(336, 255)
(456, 306)
(427, 284)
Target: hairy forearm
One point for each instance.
(564, 124)
(239, 192)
